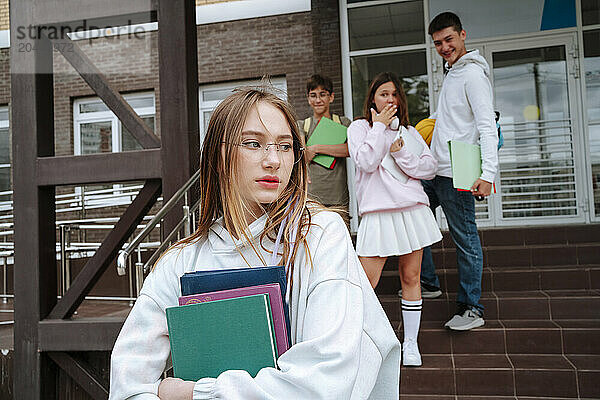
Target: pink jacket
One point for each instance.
(377, 189)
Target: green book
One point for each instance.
(327, 132)
(213, 337)
(465, 159)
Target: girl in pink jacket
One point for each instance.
(390, 158)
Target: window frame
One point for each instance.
(278, 82)
(5, 124)
(79, 118)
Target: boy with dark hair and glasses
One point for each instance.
(464, 113)
(328, 186)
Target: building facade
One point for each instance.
(545, 69)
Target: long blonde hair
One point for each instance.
(219, 193)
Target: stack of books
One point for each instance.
(327, 132)
(229, 319)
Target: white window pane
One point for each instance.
(206, 115)
(96, 137)
(411, 68)
(141, 102)
(591, 45)
(216, 94)
(128, 142)
(5, 184)
(95, 106)
(386, 25)
(3, 114)
(590, 12)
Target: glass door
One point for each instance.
(534, 90)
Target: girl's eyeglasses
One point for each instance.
(258, 150)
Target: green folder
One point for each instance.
(465, 159)
(213, 337)
(327, 132)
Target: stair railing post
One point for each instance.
(63, 254)
(139, 272)
(186, 216)
(67, 258)
(130, 276)
(4, 267)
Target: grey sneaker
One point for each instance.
(468, 320)
(427, 292)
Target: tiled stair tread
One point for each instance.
(498, 376)
(513, 324)
(577, 337)
(584, 362)
(392, 266)
(512, 294)
(543, 362)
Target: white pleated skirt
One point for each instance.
(384, 234)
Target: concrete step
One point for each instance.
(500, 376)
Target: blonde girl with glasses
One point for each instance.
(395, 215)
(253, 179)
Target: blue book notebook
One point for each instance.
(198, 282)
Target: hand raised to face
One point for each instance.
(386, 116)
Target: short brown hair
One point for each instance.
(316, 81)
(443, 21)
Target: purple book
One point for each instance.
(274, 292)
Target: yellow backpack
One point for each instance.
(425, 128)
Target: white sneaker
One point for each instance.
(410, 354)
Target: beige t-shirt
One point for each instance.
(328, 186)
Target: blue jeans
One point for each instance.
(459, 208)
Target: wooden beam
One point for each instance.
(50, 12)
(178, 69)
(35, 280)
(80, 372)
(107, 251)
(111, 97)
(81, 334)
(95, 168)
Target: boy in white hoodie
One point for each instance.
(465, 112)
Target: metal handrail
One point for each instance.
(126, 252)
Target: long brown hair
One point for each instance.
(219, 193)
(380, 79)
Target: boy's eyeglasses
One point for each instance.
(322, 95)
(259, 150)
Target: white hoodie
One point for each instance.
(465, 113)
(343, 346)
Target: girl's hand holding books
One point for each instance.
(397, 145)
(176, 389)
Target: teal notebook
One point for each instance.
(465, 159)
(213, 337)
(327, 132)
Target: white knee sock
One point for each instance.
(411, 317)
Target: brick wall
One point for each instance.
(326, 44)
(4, 15)
(249, 49)
(229, 51)
(4, 76)
(292, 45)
